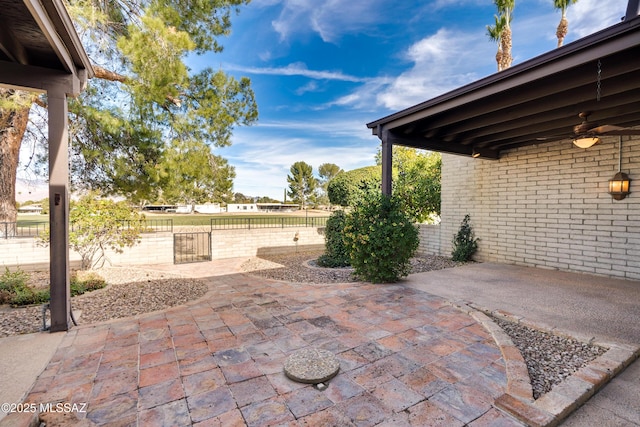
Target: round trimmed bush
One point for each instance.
(381, 239)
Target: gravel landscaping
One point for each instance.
(130, 291)
(549, 358)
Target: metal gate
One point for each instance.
(191, 247)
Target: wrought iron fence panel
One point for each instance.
(191, 247)
(267, 222)
(11, 230)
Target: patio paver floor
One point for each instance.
(406, 358)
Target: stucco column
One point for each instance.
(60, 304)
(387, 163)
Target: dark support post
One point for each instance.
(633, 9)
(60, 304)
(387, 163)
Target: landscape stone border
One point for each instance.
(556, 405)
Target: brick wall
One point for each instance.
(547, 206)
(430, 239)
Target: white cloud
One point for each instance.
(588, 16)
(312, 86)
(441, 62)
(295, 69)
(452, 58)
(329, 18)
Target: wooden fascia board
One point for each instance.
(77, 49)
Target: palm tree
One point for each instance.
(505, 9)
(495, 34)
(501, 32)
(563, 26)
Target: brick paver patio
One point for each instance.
(406, 358)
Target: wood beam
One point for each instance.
(440, 146)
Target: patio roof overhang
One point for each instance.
(39, 47)
(40, 51)
(537, 101)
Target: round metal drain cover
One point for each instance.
(311, 366)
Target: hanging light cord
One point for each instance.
(620, 154)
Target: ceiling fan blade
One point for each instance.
(614, 130)
(623, 132)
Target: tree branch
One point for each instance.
(104, 74)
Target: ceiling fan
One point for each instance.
(587, 133)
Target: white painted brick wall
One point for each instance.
(547, 206)
(429, 239)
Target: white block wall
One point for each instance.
(153, 248)
(157, 248)
(547, 206)
(261, 241)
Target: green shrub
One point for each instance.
(14, 288)
(11, 279)
(336, 253)
(24, 295)
(464, 243)
(381, 239)
(86, 281)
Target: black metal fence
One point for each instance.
(191, 247)
(266, 222)
(12, 230)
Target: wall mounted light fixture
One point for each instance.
(586, 142)
(620, 183)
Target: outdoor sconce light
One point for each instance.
(586, 142)
(619, 186)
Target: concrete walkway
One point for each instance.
(582, 306)
(22, 359)
(407, 356)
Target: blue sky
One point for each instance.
(322, 69)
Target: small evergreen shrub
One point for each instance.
(381, 239)
(336, 253)
(464, 243)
